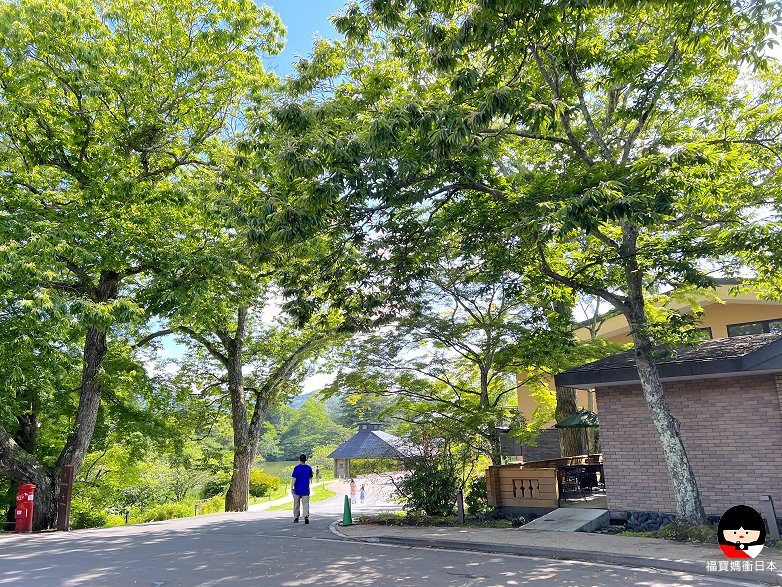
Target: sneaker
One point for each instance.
(295, 520)
(306, 519)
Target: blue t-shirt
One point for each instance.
(302, 475)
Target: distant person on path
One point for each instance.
(317, 473)
(300, 488)
(361, 493)
(352, 491)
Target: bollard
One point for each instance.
(460, 506)
(347, 517)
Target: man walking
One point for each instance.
(300, 489)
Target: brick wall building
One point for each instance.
(727, 396)
(732, 431)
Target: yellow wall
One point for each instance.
(735, 310)
(716, 315)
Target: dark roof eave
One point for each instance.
(633, 379)
(666, 370)
(747, 354)
(591, 386)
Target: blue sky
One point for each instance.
(305, 21)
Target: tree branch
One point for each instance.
(617, 301)
(554, 86)
(525, 135)
(596, 136)
(206, 343)
(152, 336)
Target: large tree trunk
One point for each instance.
(244, 459)
(246, 435)
(95, 348)
(79, 439)
(685, 487)
(494, 438)
(496, 449)
(22, 467)
(689, 507)
(570, 439)
(238, 496)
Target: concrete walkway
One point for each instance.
(698, 559)
(261, 507)
(379, 489)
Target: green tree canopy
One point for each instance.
(105, 109)
(623, 148)
(311, 428)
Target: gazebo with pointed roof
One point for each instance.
(368, 443)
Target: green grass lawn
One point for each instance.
(318, 494)
(281, 491)
(285, 487)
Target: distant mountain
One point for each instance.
(297, 401)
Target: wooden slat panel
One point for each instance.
(534, 503)
(528, 474)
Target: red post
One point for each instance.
(24, 508)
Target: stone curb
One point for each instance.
(566, 554)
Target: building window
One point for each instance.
(759, 327)
(705, 333)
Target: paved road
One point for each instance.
(268, 549)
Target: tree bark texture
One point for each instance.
(570, 439)
(238, 496)
(78, 441)
(689, 507)
(494, 438)
(95, 348)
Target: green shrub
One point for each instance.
(169, 511)
(699, 533)
(431, 485)
(477, 498)
(115, 520)
(214, 487)
(81, 519)
(85, 513)
(214, 505)
(262, 484)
